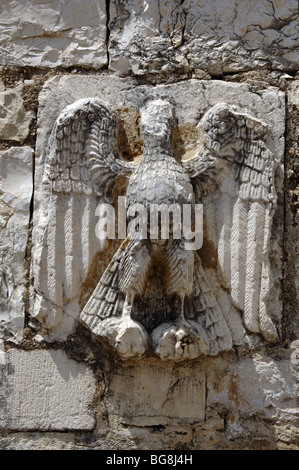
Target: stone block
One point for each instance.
(150, 395)
(292, 212)
(16, 184)
(44, 390)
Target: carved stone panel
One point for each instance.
(110, 158)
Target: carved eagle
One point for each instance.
(154, 295)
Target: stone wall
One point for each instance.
(69, 391)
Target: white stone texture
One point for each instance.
(53, 33)
(151, 395)
(151, 35)
(16, 184)
(192, 99)
(217, 36)
(293, 100)
(44, 390)
(14, 119)
(256, 386)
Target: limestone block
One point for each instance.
(259, 385)
(53, 33)
(14, 119)
(39, 441)
(218, 36)
(44, 390)
(192, 98)
(151, 395)
(16, 184)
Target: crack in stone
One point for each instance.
(59, 17)
(107, 39)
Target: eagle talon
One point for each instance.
(132, 339)
(183, 340)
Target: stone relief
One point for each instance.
(145, 293)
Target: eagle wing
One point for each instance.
(234, 177)
(81, 165)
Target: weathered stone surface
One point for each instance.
(44, 390)
(191, 100)
(246, 398)
(217, 403)
(259, 385)
(39, 441)
(16, 184)
(53, 33)
(151, 36)
(14, 119)
(293, 93)
(218, 36)
(292, 211)
(162, 394)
